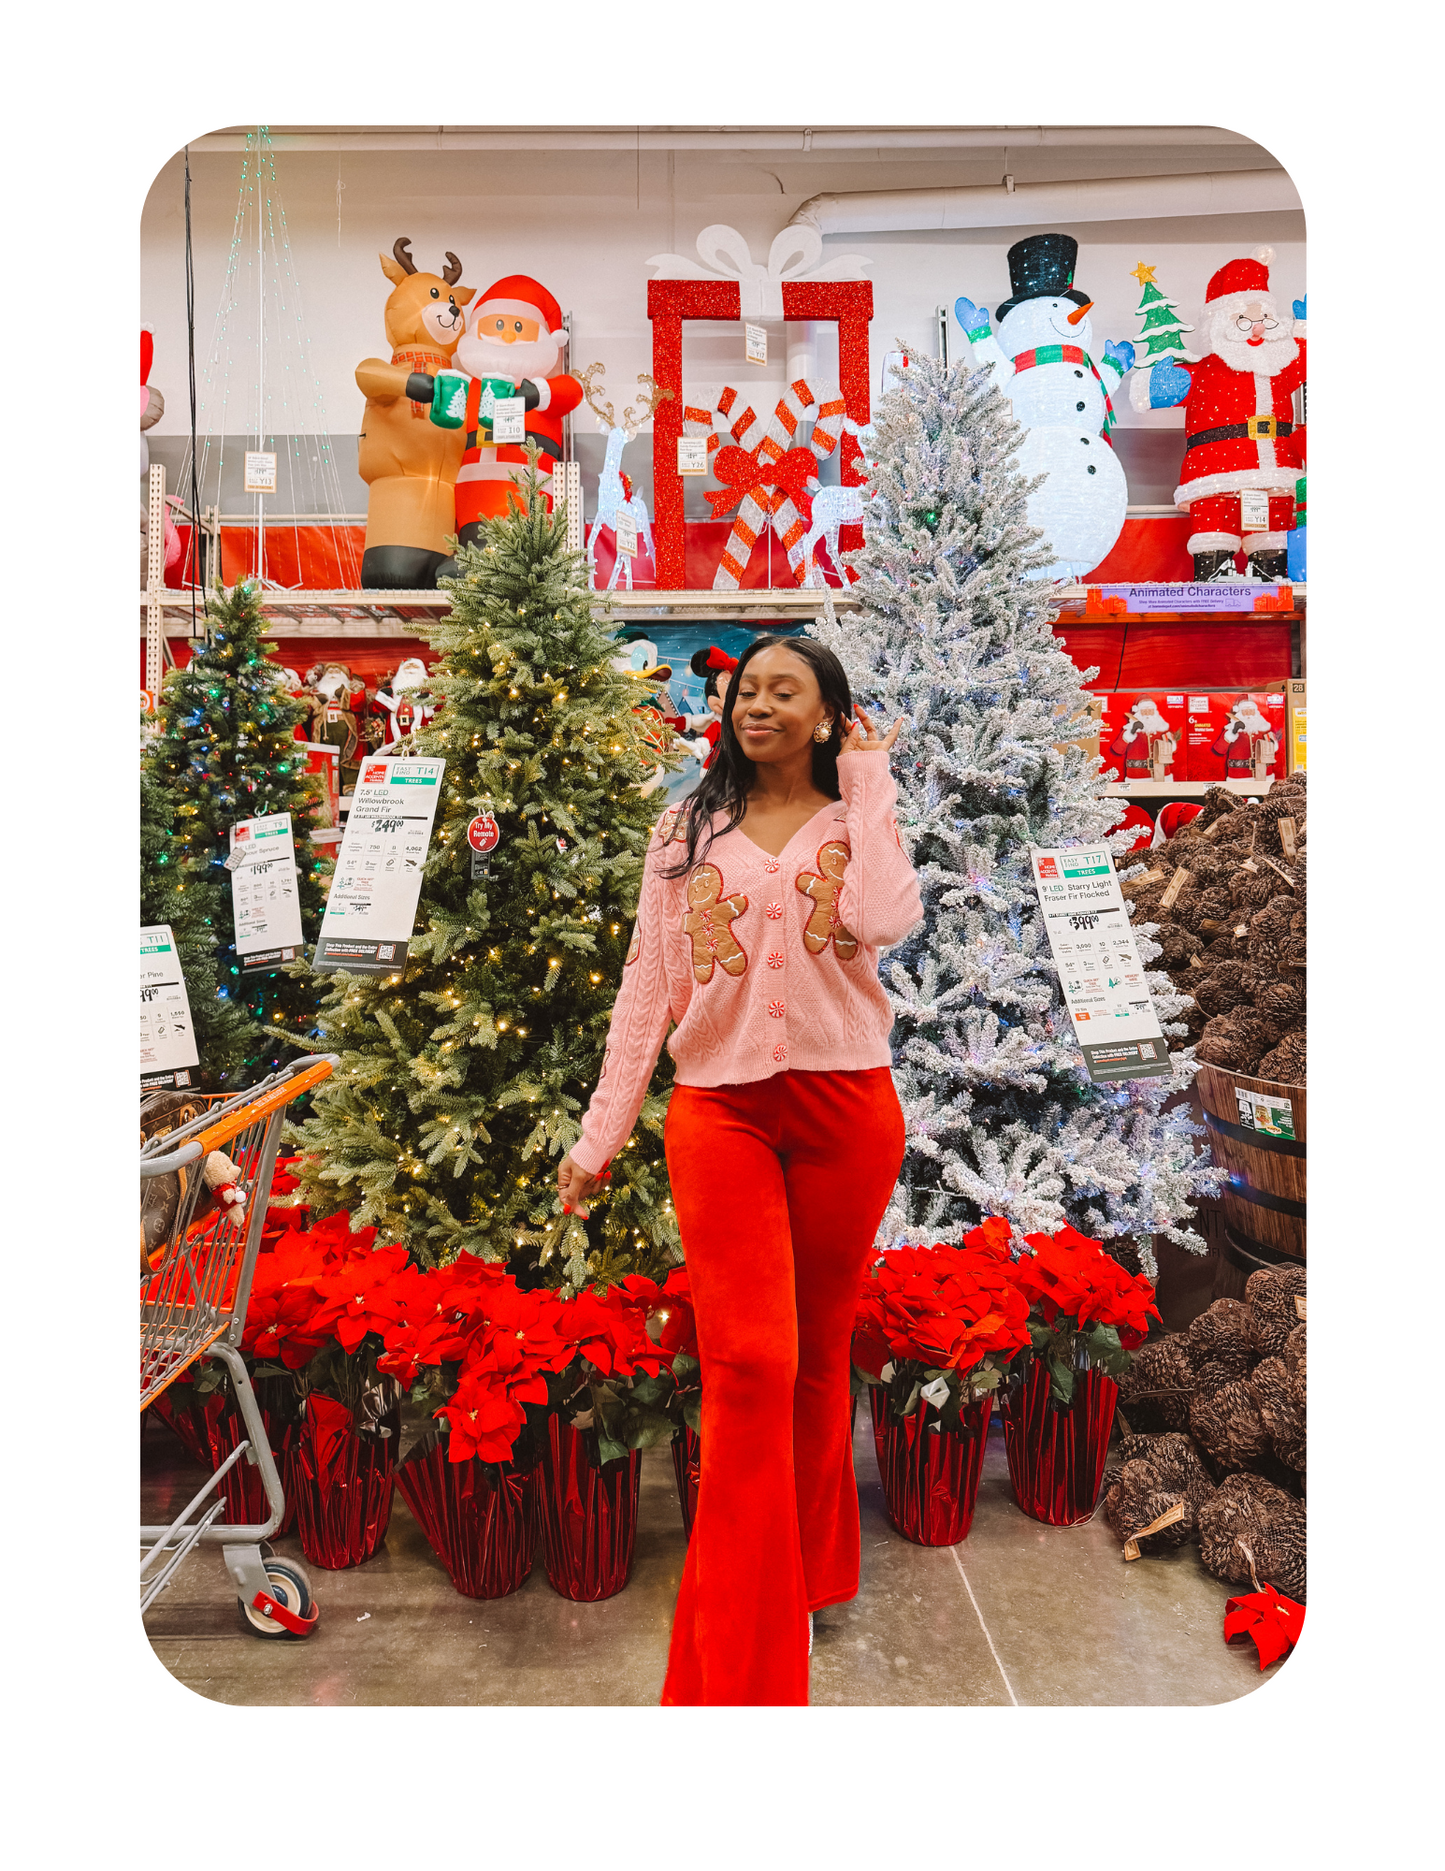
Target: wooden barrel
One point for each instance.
(1264, 1196)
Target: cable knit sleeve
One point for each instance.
(640, 1017)
(879, 900)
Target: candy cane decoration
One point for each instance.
(765, 474)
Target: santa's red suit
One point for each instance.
(494, 344)
(1246, 755)
(1239, 420)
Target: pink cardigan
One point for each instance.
(764, 964)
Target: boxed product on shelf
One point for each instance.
(1294, 721)
(1235, 734)
(1088, 742)
(1141, 735)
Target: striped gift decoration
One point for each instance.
(777, 498)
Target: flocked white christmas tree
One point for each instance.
(1001, 1116)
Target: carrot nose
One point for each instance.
(1082, 312)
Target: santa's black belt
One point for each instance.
(544, 442)
(1267, 426)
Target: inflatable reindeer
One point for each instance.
(407, 461)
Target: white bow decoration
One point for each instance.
(794, 255)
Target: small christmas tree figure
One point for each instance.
(461, 1085)
(1158, 335)
(225, 1035)
(225, 751)
(1001, 1116)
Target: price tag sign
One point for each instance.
(1254, 511)
(509, 420)
(265, 900)
(372, 906)
(625, 532)
(260, 473)
(755, 344)
(1099, 968)
(692, 454)
(167, 1036)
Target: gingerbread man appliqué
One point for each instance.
(823, 886)
(709, 922)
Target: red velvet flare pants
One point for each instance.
(779, 1188)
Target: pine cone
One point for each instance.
(1221, 1332)
(1207, 867)
(1285, 1063)
(1215, 904)
(1269, 1296)
(1175, 1460)
(1297, 924)
(1162, 1366)
(1230, 1051)
(1250, 890)
(1175, 944)
(1284, 1422)
(1137, 1498)
(1294, 1363)
(1247, 1514)
(1281, 1005)
(1224, 1420)
(1221, 989)
(1217, 802)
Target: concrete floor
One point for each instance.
(1017, 1613)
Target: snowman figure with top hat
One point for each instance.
(1042, 352)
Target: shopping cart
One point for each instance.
(193, 1305)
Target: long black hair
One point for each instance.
(726, 784)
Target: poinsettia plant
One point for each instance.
(940, 1324)
(492, 1359)
(1084, 1310)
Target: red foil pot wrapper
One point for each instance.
(484, 1535)
(589, 1516)
(930, 1474)
(210, 1427)
(686, 1460)
(1056, 1451)
(341, 1482)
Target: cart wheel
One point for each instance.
(290, 1587)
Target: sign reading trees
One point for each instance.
(372, 906)
(1099, 967)
(264, 897)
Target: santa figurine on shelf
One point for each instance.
(1145, 745)
(403, 705)
(1247, 742)
(335, 700)
(512, 346)
(1241, 455)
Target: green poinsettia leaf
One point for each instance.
(608, 1450)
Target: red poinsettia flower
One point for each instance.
(610, 1330)
(1069, 1276)
(352, 1293)
(944, 1306)
(482, 1419)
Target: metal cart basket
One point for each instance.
(193, 1305)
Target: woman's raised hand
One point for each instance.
(865, 738)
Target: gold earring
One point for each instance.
(823, 730)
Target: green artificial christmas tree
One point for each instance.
(462, 1083)
(1159, 341)
(954, 636)
(225, 751)
(225, 1035)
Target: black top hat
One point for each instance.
(1042, 267)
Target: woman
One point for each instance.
(766, 897)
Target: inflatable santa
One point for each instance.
(514, 339)
(1241, 458)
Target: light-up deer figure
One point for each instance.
(832, 508)
(614, 489)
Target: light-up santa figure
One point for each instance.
(1241, 455)
(1043, 359)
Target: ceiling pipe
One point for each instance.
(1024, 204)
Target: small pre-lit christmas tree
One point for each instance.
(954, 636)
(1159, 339)
(225, 1035)
(462, 1083)
(225, 751)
